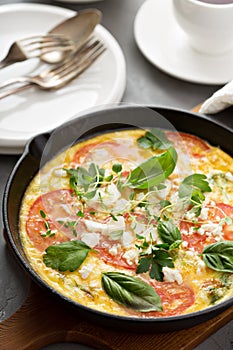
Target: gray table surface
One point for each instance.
(145, 85)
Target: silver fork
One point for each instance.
(60, 75)
(36, 46)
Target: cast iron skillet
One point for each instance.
(43, 147)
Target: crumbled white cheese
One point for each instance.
(113, 225)
(229, 176)
(160, 194)
(138, 227)
(121, 206)
(185, 232)
(91, 239)
(139, 196)
(131, 256)
(94, 226)
(109, 196)
(190, 253)
(110, 226)
(200, 266)
(204, 213)
(105, 244)
(172, 275)
(99, 154)
(127, 238)
(86, 270)
(66, 208)
(113, 250)
(59, 172)
(189, 215)
(211, 229)
(184, 244)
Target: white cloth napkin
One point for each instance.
(220, 100)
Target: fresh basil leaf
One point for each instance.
(219, 256)
(192, 191)
(168, 232)
(131, 292)
(153, 171)
(144, 142)
(156, 139)
(193, 182)
(66, 256)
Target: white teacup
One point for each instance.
(209, 26)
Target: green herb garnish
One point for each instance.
(192, 189)
(155, 139)
(66, 256)
(49, 232)
(153, 171)
(131, 292)
(153, 257)
(219, 256)
(117, 168)
(168, 232)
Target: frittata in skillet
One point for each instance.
(134, 223)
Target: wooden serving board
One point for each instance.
(43, 320)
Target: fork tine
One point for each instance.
(76, 58)
(89, 55)
(77, 67)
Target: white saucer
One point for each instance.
(34, 111)
(165, 45)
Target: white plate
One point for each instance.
(165, 45)
(34, 111)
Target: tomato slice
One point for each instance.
(57, 205)
(195, 240)
(175, 298)
(101, 153)
(188, 143)
(115, 260)
(81, 154)
(216, 214)
(228, 211)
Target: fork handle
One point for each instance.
(25, 83)
(4, 63)
(15, 90)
